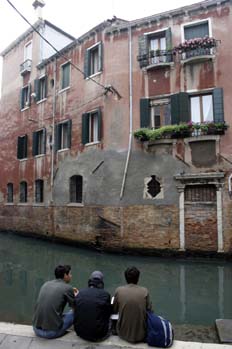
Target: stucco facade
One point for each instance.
(169, 194)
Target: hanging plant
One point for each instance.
(192, 44)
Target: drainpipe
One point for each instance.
(131, 117)
(53, 130)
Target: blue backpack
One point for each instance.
(159, 331)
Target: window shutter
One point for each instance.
(19, 148)
(218, 106)
(36, 90)
(21, 99)
(143, 51)
(167, 114)
(46, 85)
(29, 94)
(69, 122)
(57, 137)
(85, 128)
(199, 30)
(44, 140)
(100, 53)
(25, 139)
(35, 144)
(145, 112)
(180, 111)
(99, 115)
(87, 63)
(168, 37)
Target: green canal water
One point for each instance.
(184, 291)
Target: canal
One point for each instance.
(184, 291)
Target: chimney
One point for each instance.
(38, 5)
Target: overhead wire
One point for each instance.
(106, 88)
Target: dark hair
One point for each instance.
(61, 270)
(132, 275)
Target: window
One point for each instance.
(63, 135)
(25, 97)
(28, 51)
(39, 190)
(153, 188)
(22, 147)
(65, 75)
(93, 60)
(76, 184)
(155, 47)
(39, 142)
(196, 30)
(91, 127)
(10, 192)
(41, 88)
(23, 192)
(155, 113)
(201, 108)
(200, 193)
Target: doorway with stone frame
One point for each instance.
(200, 211)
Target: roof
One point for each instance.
(36, 25)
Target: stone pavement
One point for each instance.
(14, 336)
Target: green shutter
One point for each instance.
(85, 128)
(36, 90)
(19, 148)
(29, 94)
(87, 63)
(145, 112)
(25, 138)
(57, 137)
(218, 106)
(168, 36)
(69, 122)
(46, 86)
(99, 124)
(35, 143)
(44, 140)
(100, 53)
(180, 110)
(143, 51)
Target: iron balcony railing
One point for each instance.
(155, 57)
(198, 52)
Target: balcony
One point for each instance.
(196, 50)
(25, 67)
(155, 59)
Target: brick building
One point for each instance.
(71, 167)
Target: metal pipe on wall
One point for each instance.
(53, 130)
(131, 116)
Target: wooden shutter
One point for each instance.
(218, 105)
(100, 53)
(180, 110)
(29, 94)
(44, 140)
(143, 51)
(199, 30)
(57, 137)
(85, 128)
(36, 90)
(168, 37)
(19, 148)
(21, 99)
(99, 117)
(69, 142)
(46, 86)
(25, 138)
(87, 63)
(35, 143)
(145, 112)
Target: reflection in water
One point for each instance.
(195, 292)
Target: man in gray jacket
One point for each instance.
(131, 302)
(49, 320)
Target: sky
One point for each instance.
(76, 17)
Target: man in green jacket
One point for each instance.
(49, 320)
(131, 302)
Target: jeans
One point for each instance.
(67, 322)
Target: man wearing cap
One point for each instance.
(92, 310)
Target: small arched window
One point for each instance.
(23, 192)
(39, 190)
(76, 188)
(10, 192)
